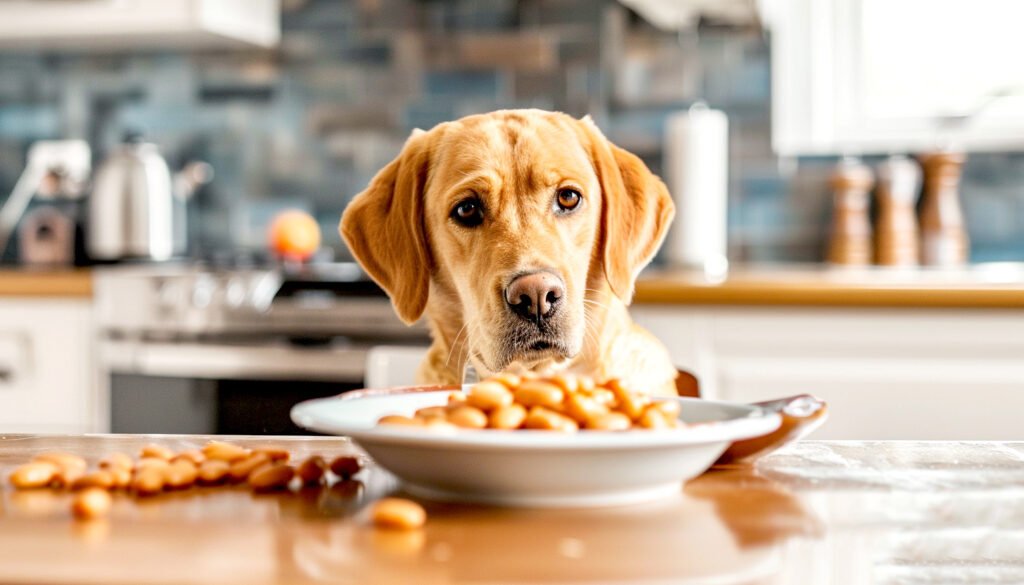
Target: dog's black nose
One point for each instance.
(534, 296)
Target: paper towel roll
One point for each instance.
(696, 167)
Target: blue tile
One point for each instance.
(302, 125)
(458, 84)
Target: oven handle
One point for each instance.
(235, 362)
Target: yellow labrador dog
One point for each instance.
(519, 234)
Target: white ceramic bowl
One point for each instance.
(536, 468)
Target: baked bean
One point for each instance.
(539, 393)
(583, 408)
(240, 470)
(468, 417)
(274, 453)
(66, 477)
(586, 384)
(611, 421)
(271, 476)
(398, 514)
(213, 472)
(157, 451)
(180, 475)
(148, 481)
(152, 462)
(312, 470)
(34, 475)
(99, 479)
(117, 460)
(541, 418)
(507, 417)
(91, 503)
(224, 451)
(65, 461)
(508, 380)
(604, 396)
(397, 420)
(629, 403)
(668, 407)
(566, 381)
(193, 455)
(653, 419)
(122, 477)
(489, 395)
(430, 412)
(439, 425)
(346, 466)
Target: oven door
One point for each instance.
(221, 387)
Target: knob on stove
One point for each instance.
(203, 291)
(236, 292)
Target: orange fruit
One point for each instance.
(294, 235)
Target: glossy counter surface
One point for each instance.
(980, 286)
(816, 512)
(45, 283)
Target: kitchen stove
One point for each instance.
(211, 300)
(230, 347)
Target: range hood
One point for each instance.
(111, 25)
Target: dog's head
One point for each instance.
(514, 224)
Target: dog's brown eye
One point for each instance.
(468, 212)
(568, 199)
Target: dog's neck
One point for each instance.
(607, 318)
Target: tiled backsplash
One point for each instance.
(307, 124)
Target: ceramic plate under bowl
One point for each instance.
(536, 468)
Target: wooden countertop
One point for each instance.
(993, 286)
(45, 283)
(981, 286)
(815, 512)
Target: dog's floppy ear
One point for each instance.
(637, 211)
(383, 227)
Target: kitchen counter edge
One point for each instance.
(68, 283)
(823, 287)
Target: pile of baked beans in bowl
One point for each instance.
(565, 403)
(529, 441)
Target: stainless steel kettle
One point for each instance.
(132, 207)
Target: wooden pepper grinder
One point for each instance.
(850, 242)
(943, 236)
(896, 234)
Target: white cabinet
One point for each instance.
(886, 373)
(876, 76)
(47, 379)
(131, 24)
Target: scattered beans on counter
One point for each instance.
(271, 476)
(157, 451)
(213, 472)
(34, 475)
(240, 470)
(346, 466)
(91, 503)
(159, 469)
(398, 513)
(311, 471)
(224, 451)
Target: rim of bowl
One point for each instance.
(756, 422)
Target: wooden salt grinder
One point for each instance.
(850, 242)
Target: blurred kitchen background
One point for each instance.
(829, 133)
